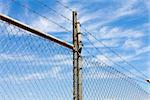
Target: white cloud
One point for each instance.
(116, 32)
(4, 7)
(132, 44)
(147, 3)
(105, 32)
(85, 16)
(54, 73)
(126, 8)
(104, 59)
(57, 63)
(143, 50)
(26, 10)
(112, 37)
(101, 31)
(148, 70)
(46, 24)
(99, 73)
(17, 57)
(129, 58)
(112, 33)
(107, 15)
(35, 60)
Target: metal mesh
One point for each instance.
(101, 82)
(33, 68)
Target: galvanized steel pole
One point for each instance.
(77, 74)
(34, 31)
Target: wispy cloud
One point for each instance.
(57, 64)
(116, 37)
(35, 60)
(116, 32)
(47, 25)
(132, 44)
(128, 57)
(125, 8)
(54, 73)
(102, 75)
(145, 49)
(4, 7)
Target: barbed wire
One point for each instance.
(114, 52)
(55, 11)
(27, 59)
(103, 63)
(103, 82)
(63, 5)
(35, 12)
(113, 61)
(15, 41)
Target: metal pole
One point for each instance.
(75, 56)
(34, 31)
(77, 77)
(79, 62)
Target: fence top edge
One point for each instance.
(35, 31)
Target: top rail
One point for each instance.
(34, 31)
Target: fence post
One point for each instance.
(77, 59)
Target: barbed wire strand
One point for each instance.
(67, 7)
(55, 11)
(116, 54)
(117, 65)
(35, 12)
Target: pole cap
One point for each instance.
(148, 81)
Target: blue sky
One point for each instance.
(123, 25)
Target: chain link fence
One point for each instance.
(102, 82)
(33, 68)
